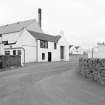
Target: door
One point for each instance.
(62, 52)
(49, 56)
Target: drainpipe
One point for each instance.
(92, 52)
(36, 50)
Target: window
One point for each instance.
(43, 44)
(55, 45)
(14, 52)
(43, 56)
(19, 52)
(7, 52)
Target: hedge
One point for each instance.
(93, 69)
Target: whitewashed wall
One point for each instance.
(55, 52)
(46, 50)
(25, 42)
(28, 42)
(100, 53)
(63, 42)
(11, 37)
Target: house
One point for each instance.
(98, 51)
(27, 39)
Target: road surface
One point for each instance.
(49, 84)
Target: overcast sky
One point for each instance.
(83, 21)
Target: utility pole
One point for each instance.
(92, 52)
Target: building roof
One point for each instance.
(42, 36)
(18, 26)
(31, 26)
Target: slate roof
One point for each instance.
(31, 26)
(42, 36)
(18, 26)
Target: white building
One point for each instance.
(98, 51)
(73, 50)
(28, 40)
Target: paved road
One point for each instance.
(49, 84)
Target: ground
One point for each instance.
(56, 83)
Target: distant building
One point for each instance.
(73, 50)
(97, 52)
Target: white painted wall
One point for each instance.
(28, 42)
(63, 42)
(25, 41)
(46, 50)
(11, 37)
(99, 53)
(55, 52)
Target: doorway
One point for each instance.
(61, 52)
(49, 57)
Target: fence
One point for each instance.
(10, 60)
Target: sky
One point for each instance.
(81, 21)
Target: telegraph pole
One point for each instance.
(92, 52)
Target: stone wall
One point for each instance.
(93, 69)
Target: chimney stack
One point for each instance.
(40, 17)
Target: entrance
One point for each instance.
(62, 52)
(49, 56)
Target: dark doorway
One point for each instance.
(62, 52)
(49, 56)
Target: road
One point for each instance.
(49, 84)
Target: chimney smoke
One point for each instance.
(40, 17)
